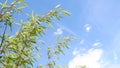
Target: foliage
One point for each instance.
(17, 51)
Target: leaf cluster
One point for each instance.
(17, 51)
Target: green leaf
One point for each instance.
(4, 4)
(49, 23)
(66, 12)
(57, 6)
(37, 48)
(10, 25)
(1, 37)
(20, 7)
(31, 63)
(41, 67)
(33, 17)
(1, 57)
(42, 42)
(21, 0)
(33, 41)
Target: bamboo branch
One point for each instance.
(10, 8)
(3, 37)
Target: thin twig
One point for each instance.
(10, 8)
(3, 37)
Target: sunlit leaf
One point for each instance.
(66, 12)
(21, 48)
(57, 6)
(4, 4)
(41, 67)
(21, 0)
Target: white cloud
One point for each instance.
(92, 59)
(75, 52)
(61, 25)
(113, 65)
(97, 43)
(58, 32)
(87, 27)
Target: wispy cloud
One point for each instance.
(75, 52)
(92, 59)
(97, 44)
(87, 27)
(66, 29)
(58, 32)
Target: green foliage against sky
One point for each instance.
(18, 50)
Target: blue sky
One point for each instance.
(94, 23)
